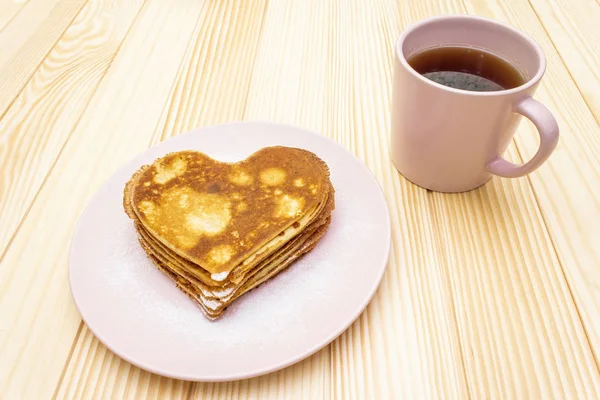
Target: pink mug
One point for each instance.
(452, 140)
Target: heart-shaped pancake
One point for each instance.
(219, 229)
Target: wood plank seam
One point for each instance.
(43, 59)
(167, 110)
(169, 104)
(105, 368)
(536, 196)
(13, 17)
(258, 45)
(59, 154)
(75, 340)
(529, 179)
(164, 135)
(166, 131)
(62, 374)
(550, 38)
(562, 270)
(439, 244)
(542, 214)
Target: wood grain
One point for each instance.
(506, 278)
(348, 101)
(128, 104)
(94, 372)
(488, 294)
(493, 255)
(8, 10)
(572, 26)
(211, 87)
(567, 187)
(38, 124)
(267, 74)
(26, 41)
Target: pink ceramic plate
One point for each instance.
(140, 315)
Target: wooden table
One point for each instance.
(489, 294)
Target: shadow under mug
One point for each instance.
(452, 140)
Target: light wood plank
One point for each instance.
(289, 46)
(37, 317)
(27, 39)
(352, 356)
(574, 31)
(211, 87)
(37, 125)
(515, 312)
(96, 373)
(508, 288)
(474, 302)
(567, 188)
(9, 9)
(326, 67)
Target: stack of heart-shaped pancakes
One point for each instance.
(221, 229)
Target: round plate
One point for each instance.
(140, 315)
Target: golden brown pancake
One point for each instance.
(220, 229)
(181, 267)
(206, 210)
(214, 309)
(213, 305)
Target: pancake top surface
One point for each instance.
(215, 213)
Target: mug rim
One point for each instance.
(531, 82)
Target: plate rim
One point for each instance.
(290, 361)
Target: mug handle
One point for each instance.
(547, 128)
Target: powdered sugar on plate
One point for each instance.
(138, 312)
